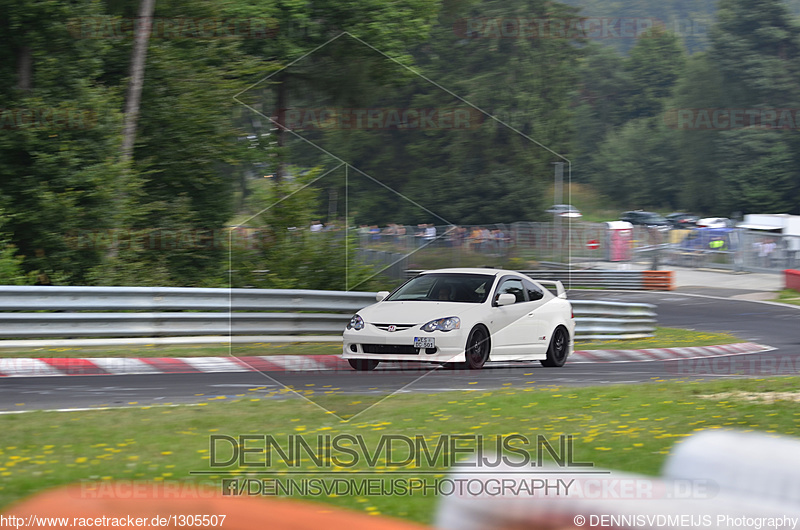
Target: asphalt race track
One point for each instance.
(700, 309)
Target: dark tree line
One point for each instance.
(715, 132)
(629, 118)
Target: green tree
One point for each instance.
(654, 66)
(627, 149)
(636, 165)
(187, 161)
(60, 138)
(486, 172)
(602, 100)
(700, 87)
(282, 253)
(756, 48)
(10, 263)
(757, 171)
(335, 70)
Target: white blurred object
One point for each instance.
(752, 464)
(713, 222)
(564, 210)
(715, 479)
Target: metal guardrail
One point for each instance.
(609, 279)
(72, 312)
(21, 298)
(592, 278)
(597, 320)
(17, 325)
(605, 279)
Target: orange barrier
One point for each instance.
(79, 508)
(657, 280)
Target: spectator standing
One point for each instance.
(430, 234)
(768, 248)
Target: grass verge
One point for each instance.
(664, 338)
(788, 296)
(628, 427)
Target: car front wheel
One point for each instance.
(559, 347)
(477, 350)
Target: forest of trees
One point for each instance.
(647, 122)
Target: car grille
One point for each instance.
(395, 349)
(399, 327)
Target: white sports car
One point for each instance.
(466, 316)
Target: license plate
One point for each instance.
(424, 342)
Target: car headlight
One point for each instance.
(443, 324)
(356, 323)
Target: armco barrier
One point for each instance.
(792, 279)
(609, 279)
(108, 312)
(15, 298)
(602, 279)
(613, 320)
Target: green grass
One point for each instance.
(788, 296)
(664, 338)
(631, 428)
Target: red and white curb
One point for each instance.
(665, 354)
(26, 367)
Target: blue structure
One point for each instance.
(702, 238)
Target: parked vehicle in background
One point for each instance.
(564, 210)
(682, 220)
(642, 218)
(715, 222)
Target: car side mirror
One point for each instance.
(506, 299)
(381, 295)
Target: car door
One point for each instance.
(542, 313)
(514, 330)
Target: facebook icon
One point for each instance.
(230, 486)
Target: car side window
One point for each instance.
(511, 286)
(534, 292)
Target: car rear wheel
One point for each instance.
(559, 347)
(477, 350)
(363, 365)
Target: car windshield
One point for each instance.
(654, 218)
(444, 287)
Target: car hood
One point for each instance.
(415, 312)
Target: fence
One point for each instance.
(569, 242)
(543, 241)
(745, 250)
(72, 312)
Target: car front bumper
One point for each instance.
(371, 343)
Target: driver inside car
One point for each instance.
(444, 293)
